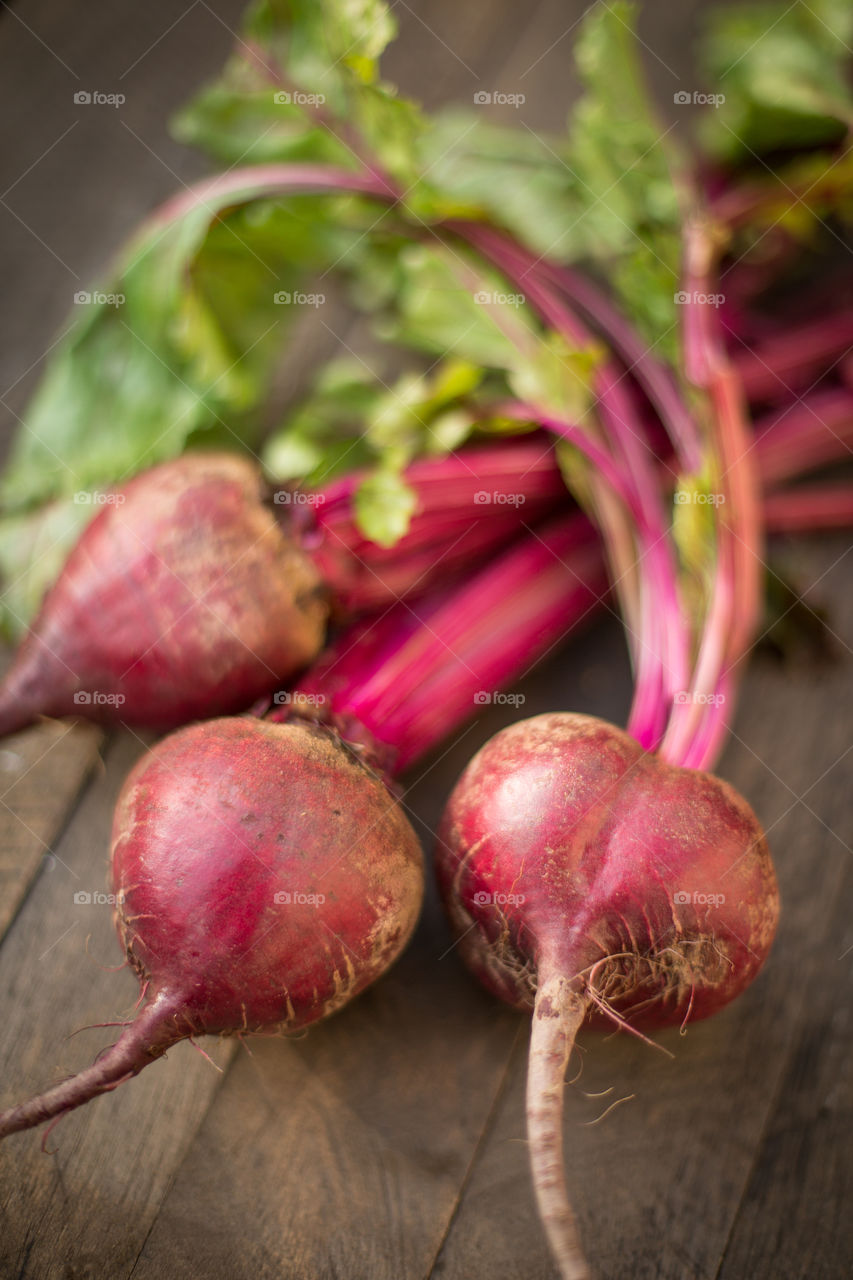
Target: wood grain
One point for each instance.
(41, 773)
(77, 179)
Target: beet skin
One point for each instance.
(569, 848)
(183, 598)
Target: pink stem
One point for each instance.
(652, 375)
(401, 682)
(739, 204)
(789, 360)
(415, 674)
(804, 435)
(652, 694)
(809, 509)
(468, 503)
(253, 181)
(736, 596)
(659, 644)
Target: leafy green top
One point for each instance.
(183, 347)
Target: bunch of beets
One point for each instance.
(298, 669)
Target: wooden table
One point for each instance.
(389, 1144)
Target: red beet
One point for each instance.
(184, 597)
(264, 876)
(584, 876)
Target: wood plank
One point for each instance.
(41, 773)
(657, 1184)
(341, 1155)
(795, 1216)
(77, 179)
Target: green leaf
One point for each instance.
(239, 122)
(603, 195)
(785, 73)
(352, 420)
(558, 376)
(324, 435)
(448, 430)
(384, 506)
(190, 352)
(518, 179)
(626, 166)
(440, 305)
(191, 346)
(303, 85)
(290, 455)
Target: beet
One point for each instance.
(585, 876)
(264, 876)
(185, 598)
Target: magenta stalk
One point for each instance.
(420, 670)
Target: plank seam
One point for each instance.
(485, 1132)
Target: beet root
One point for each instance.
(184, 597)
(264, 877)
(586, 877)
